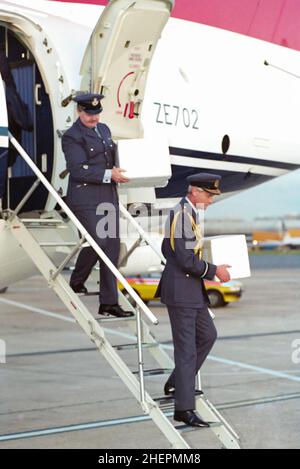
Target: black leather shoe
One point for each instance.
(114, 310)
(189, 418)
(79, 288)
(169, 390)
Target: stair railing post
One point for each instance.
(140, 356)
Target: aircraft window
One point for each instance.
(225, 144)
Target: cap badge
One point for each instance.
(95, 102)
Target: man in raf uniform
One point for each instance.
(182, 289)
(92, 195)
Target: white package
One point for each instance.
(231, 250)
(146, 161)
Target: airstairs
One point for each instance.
(156, 408)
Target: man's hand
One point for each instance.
(222, 272)
(117, 175)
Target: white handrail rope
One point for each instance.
(82, 230)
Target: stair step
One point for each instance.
(134, 346)
(41, 221)
(188, 428)
(49, 244)
(167, 406)
(155, 371)
(113, 319)
(167, 402)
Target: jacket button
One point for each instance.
(85, 166)
(187, 275)
(92, 149)
(85, 184)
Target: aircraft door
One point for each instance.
(118, 57)
(3, 140)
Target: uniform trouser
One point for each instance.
(88, 258)
(194, 334)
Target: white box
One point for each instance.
(231, 250)
(146, 160)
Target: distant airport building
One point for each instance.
(267, 233)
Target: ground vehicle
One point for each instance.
(220, 294)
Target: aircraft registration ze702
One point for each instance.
(220, 80)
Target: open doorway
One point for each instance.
(37, 138)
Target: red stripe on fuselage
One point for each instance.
(276, 21)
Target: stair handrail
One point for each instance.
(89, 239)
(141, 232)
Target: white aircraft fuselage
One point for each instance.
(227, 102)
(208, 91)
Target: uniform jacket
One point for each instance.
(182, 283)
(87, 157)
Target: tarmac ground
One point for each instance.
(57, 391)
